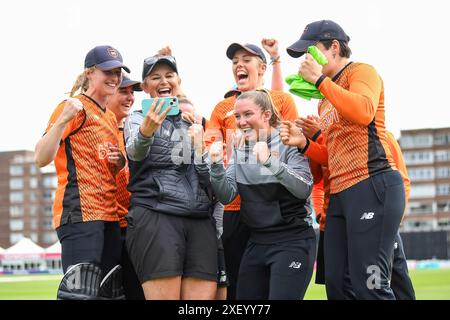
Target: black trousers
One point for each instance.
(400, 281)
(234, 239)
(96, 242)
(131, 285)
(362, 223)
(280, 271)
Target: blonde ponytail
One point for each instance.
(81, 84)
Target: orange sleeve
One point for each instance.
(215, 126)
(54, 117)
(360, 102)
(399, 163)
(289, 110)
(317, 192)
(317, 151)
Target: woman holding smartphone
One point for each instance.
(171, 236)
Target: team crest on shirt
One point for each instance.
(103, 150)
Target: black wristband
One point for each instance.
(316, 135)
(305, 147)
(320, 80)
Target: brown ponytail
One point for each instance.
(262, 98)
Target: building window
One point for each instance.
(419, 157)
(423, 191)
(443, 206)
(16, 197)
(33, 183)
(416, 141)
(442, 155)
(15, 237)
(443, 189)
(16, 170)
(33, 211)
(15, 211)
(33, 169)
(442, 138)
(443, 172)
(50, 182)
(16, 183)
(49, 237)
(34, 236)
(420, 208)
(33, 196)
(444, 224)
(48, 211)
(421, 174)
(33, 224)
(16, 225)
(49, 195)
(48, 224)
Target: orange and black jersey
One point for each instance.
(352, 118)
(223, 119)
(86, 180)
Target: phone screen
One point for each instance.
(168, 101)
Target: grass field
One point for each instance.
(428, 284)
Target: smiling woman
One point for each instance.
(171, 202)
(82, 139)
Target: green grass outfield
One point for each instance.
(429, 285)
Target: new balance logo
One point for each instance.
(295, 265)
(367, 216)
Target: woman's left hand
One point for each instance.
(310, 70)
(261, 152)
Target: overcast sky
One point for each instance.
(44, 44)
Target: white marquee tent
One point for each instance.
(24, 255)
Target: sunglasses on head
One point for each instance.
(152, 60)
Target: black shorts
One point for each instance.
(96, 242)
(162, 245)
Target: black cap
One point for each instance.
(105, 58)
(126, 82)
(253, 49)
(314, 32)
(232, 92)
(150, 62)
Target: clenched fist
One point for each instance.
(216, 151)
(71, 108)
(261, 152)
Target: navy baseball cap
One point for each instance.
(127, 82)
(105, 58)
(314, 32)
(253, 49)
(151, 62)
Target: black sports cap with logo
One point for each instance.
(253, 49)
(315, 32)
(105, 58)
(127, 82)
(151, 62)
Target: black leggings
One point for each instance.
(362, 222)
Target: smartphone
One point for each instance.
(168, 101)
